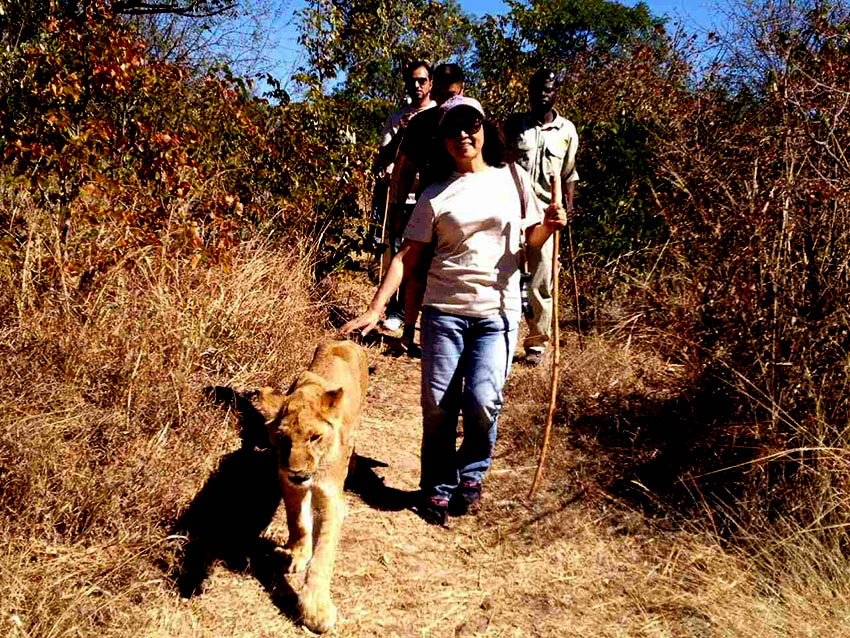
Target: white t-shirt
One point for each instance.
(476, 220)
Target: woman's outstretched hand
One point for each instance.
(365, 323)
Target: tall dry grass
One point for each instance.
(747, 287)
(638, 537)
(105, 434)
(753, 183)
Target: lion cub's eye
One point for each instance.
(315, 438)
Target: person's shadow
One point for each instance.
(225, 520)
(370, 487)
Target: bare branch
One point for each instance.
(131, 7)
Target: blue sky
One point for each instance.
(696, 16)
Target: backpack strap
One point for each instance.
(519, 189)
(522, 210)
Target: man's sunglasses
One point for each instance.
(417, 80)
(454, 129)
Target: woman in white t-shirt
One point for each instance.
(472, 304)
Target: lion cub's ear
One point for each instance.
(269, 402)
(332, 400)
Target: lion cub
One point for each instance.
(311, 429)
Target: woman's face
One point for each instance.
(463, 134)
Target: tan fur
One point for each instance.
(311, 428)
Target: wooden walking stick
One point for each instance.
(575, 282)
(385, 255)
(555, 185)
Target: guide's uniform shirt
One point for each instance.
(546, 150)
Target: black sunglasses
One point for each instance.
(417, 80)
(454, 129)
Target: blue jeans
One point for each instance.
(465, 363)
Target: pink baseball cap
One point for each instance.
(460, 100)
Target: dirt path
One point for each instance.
(517, 569)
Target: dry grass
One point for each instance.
(608, 564)
(105, 434)
(106, 438)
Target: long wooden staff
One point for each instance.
(386, 255)
(555, 186)
(575, 283)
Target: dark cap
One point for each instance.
(543, 75)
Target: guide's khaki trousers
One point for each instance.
(540, 293)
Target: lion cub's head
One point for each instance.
(303, 426)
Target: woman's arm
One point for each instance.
(405, 262)
(555, 219)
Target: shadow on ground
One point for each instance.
(672, 456)
(650, 449)
(225, 520)
(371, 488)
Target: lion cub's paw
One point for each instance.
(299, 557)
(318, 613)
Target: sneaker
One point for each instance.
(392, 323)
(466, 498)
(434, 510)
(533, 357)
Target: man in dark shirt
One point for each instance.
(422, 154)
(417, 82)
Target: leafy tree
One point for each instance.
(239, 38)
(768, 40)
(617, 64)
(21, 20)
(752, 180)
(126, 151)
(567, 35)
(363, 45)
(563, 29)
(357, 49)
(199, 34)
